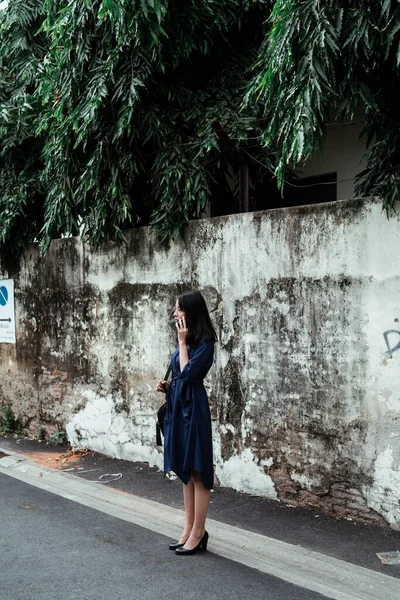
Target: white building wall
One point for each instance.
(343, 153)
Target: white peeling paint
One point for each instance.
(303, 480)
(243, 474)
(383, 495)
(224, 428)
(99, 427)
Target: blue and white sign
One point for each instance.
(7, 312)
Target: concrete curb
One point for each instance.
(325, 575)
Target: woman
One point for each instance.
(187, 426)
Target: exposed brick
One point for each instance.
(372, 517)
(339, 511)
(342, 501)
(355, 492)
(339, 494)
(341, 486)
(357, 506)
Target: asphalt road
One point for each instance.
(54, 549)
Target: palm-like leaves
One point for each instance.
(321, 59)
(108, 107)
(21, 193)
(122, 103)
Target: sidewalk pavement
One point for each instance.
(334, 557)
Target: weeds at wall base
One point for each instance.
(9, 423)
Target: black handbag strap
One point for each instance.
(161, 415)
(167, 373)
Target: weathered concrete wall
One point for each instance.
(304, 395)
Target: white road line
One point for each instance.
(323, 574)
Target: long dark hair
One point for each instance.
(198, 320)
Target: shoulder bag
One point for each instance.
(161, 415)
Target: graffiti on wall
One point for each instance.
(392, 347)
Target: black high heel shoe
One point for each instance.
(202, 545)
(176, 545)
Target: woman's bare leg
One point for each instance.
(201, 500)
(188, 501)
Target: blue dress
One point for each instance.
(187, 425)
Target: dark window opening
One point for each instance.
(312, 190)
(265, 195)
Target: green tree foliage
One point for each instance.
(320, 61)
(119, 112)
(21, 189)
(113, 113)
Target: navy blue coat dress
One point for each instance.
(187, 426)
